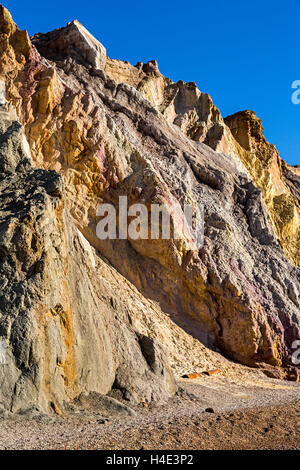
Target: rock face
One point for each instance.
(84, 315)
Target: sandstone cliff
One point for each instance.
(110, 129)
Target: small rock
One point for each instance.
(210, 410)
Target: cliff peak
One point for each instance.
(79, 312)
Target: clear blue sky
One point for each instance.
(245, 54)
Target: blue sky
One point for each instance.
(244, 54)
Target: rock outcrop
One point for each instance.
(111, 129)
(269, 172)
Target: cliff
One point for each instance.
(99, 129)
